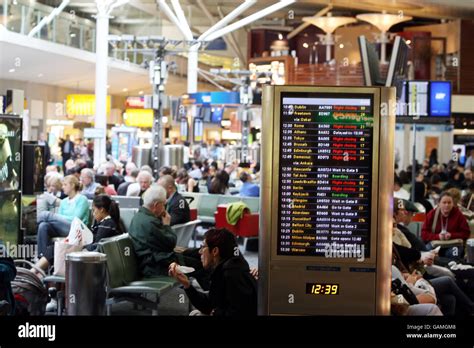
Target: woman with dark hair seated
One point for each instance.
(220, 183)
(106, 224)
(188, 183)
(233, 289)
(420, 196)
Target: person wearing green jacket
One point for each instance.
(153, 239)
(58, 225)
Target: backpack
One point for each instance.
(7, 274)
(29, 290)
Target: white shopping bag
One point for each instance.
(62, 248)
(79, 234)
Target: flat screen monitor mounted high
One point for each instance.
(397, 69)
(370, 63)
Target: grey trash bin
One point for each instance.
(86, 283)
(470, 250)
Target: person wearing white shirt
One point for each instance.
(399, 192)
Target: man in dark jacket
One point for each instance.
(176, 205)
(233, 289)
(152, 237)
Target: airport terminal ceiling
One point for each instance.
(148, 9)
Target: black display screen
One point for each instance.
(10, 153)
(325, 174)
(10, 211)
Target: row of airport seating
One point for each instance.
(123, 280)
(206, 204)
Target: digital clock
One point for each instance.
(322, 289)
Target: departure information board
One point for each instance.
(325, 173)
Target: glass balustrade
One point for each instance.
(66, 28)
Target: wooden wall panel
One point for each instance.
(467, 57)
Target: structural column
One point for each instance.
(102, 53)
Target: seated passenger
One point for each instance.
(152, 237)
(104, 182)
(403, 213)
(456, 194)
(233, 289)
(107, 221)
(58, 225)
(444, 223)
(248, 188)
(114, 177)
(88, 183)
(420, 196)
(129, 180)
(188, 183)
(144, 181)
(399, 191)
(220, 183)
(51, 199)
(130, 167)
(106, 224)
(176, 205)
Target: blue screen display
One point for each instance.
(440, 98)
(217, 114)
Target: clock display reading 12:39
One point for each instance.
(322, 289)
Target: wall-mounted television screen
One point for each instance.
(425, 102)
(440, 98)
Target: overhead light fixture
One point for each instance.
(125, 90)
(141, 92)
(12, 70)
(73, 35)
(305, 45)
(40, 75)
(383, 21)
(328, 24)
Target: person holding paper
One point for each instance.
(106, 224)
(58, 225)
(233, 287)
